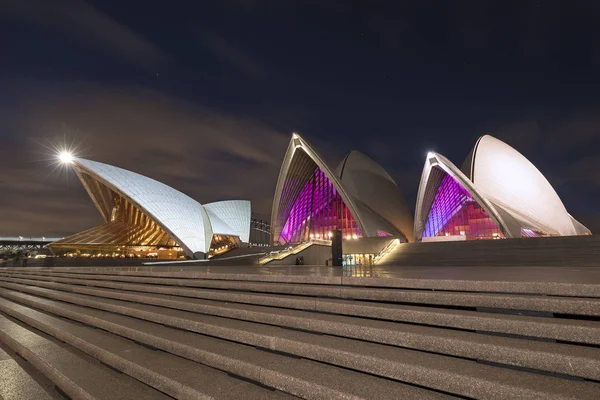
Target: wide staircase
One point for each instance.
(281, 254)
(565, 251)
(141, 334)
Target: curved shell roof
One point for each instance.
(368, 183)
(230, 217)
(360, 172)
(511, 181)
(428, 188)
(189, 223)
(508, 187)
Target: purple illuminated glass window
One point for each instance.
(318, 210)
(532, 234)
(454, 212)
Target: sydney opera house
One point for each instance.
(146, 218)
(496, 194)
(359, 198)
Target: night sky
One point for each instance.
(204, 95)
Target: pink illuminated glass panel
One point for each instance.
(454, 212)
(318, 210)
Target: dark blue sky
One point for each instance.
(205, 95)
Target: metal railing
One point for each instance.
(280, 255)
(386, 250)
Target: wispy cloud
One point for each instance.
(89, 24)
(234, 55)
(207, 154)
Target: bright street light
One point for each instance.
(65, 157)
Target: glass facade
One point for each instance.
(317, 211)
(130, 233)
(221, 244)
(358, 259)
(454, 212)
(528, 233)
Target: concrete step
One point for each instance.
(21, 381)
(448, 374)
(175, 376)
(75, 375)
(538, 303)
(555, 251)
(298, 377)
(284, 283)
(580, 361)
(570, 330)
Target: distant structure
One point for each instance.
(260, 232)
(20, 243)
(146, 218)
(497, 194)
(359, 198)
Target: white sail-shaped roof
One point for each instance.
(189, 223)
(507, 186)
(177, 213)
(233, 217)
(509, 180)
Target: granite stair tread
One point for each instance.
(316, 333)
(560, 358)
(570, 330)
(298, 377)
(539, 303)
(19, 384)
(73, 374)
(548, 288)
(448, 374)
(176, 376)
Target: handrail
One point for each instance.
(292, 250)
(386, 250)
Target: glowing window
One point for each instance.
(454, 212)
(318, 210)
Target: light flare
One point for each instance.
(66, 157)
